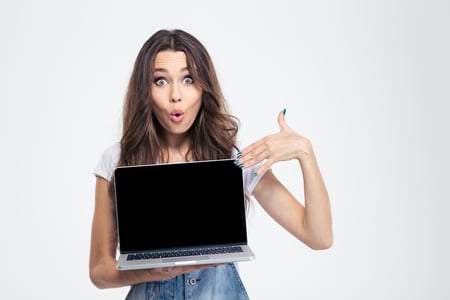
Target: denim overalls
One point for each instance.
(216, 283)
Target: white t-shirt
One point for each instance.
(110, 158)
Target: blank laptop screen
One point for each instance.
(180, 205)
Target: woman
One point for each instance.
(175, 112)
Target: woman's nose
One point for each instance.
(175, 95)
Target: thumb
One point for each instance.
(282, 120)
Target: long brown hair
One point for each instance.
(214, 132)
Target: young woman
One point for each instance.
(174, 111)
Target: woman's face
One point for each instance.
(177, 99)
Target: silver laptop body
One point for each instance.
(180, 214)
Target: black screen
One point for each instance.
(178, 205)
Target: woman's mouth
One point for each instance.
(177, 116)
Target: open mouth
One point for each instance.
(177, 116)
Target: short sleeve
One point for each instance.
(250, 180)
(108, 162)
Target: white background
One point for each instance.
(367, 81)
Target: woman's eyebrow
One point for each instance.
(160, 70)
(167, 71)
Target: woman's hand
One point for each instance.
(309, 222)
(169, 272)
(281, 146)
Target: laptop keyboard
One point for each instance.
(179, 253)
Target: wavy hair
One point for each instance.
(214, 131)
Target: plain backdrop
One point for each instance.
(368, 82)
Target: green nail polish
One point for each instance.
(284, 111)
(239, 154)
(236, 162)
(255, 174)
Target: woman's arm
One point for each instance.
(102, 261)
(311, 223)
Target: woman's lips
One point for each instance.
(177, 116)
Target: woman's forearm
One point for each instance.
(318, 221)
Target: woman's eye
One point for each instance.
(160, 81)
(188, 80)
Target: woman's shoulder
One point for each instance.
(248, 174)
(108, 162)
(112, 150)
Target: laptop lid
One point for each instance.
(180, 206)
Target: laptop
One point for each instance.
(180, 214)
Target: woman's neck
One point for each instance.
(177, 150)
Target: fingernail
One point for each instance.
(236, 162)
(241, 166)
(255, 174)
(239, 154)
(284, 111)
